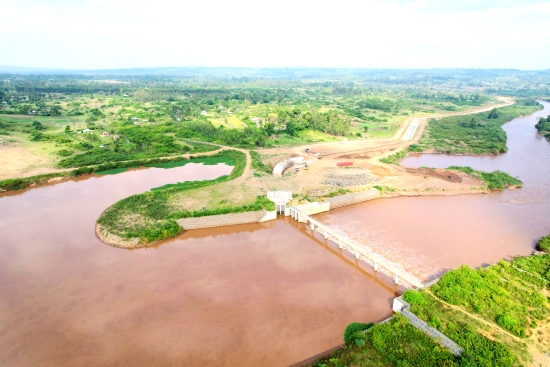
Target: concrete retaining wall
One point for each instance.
(353, 198)
(424, 327)
(313, 208)
(226, 219)
(269, 216)
(281, 167)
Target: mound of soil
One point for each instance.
(442, 174)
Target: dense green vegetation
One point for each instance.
(544, 244)
(508, 295)
(473, 134)
(537, 268)
(498, 293)
(496, 180)
(478, 349)
(393, 343)
(352, 329)
(82, 121)
(543, 126)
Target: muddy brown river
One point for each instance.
(428, 235)
(251, 295)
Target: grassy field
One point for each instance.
(303, 137)
(229, 121)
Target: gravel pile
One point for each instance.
(348, 180)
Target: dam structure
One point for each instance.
(377, 262)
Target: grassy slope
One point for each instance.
(512, 304)
(495, 315)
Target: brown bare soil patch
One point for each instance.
(442, 174)
(18, 161)
(380, 171)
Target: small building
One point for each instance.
(87, 131)
(116, 137)
(102, 146)
(105, 133)
(204, 113)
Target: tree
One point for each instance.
(38, 126)
(291, 128)
(269, 129)
(493, 114)
(67, 129)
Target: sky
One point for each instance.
(106, 34)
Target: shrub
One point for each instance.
(544, 244)
(352, 328)
(64, 152)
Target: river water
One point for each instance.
(428, 235)
(251, 295)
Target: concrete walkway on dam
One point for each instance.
(378, 262)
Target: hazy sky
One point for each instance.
(98, 34)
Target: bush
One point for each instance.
(544, 244)
(64, 152)
(163, 229)
(352, 328)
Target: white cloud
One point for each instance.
(107, 34)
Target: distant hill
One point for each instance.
(306, 73)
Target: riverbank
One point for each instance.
(543, 127)
(472, 134)
(499, 315)
(107, 168)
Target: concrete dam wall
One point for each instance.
(226, 219)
